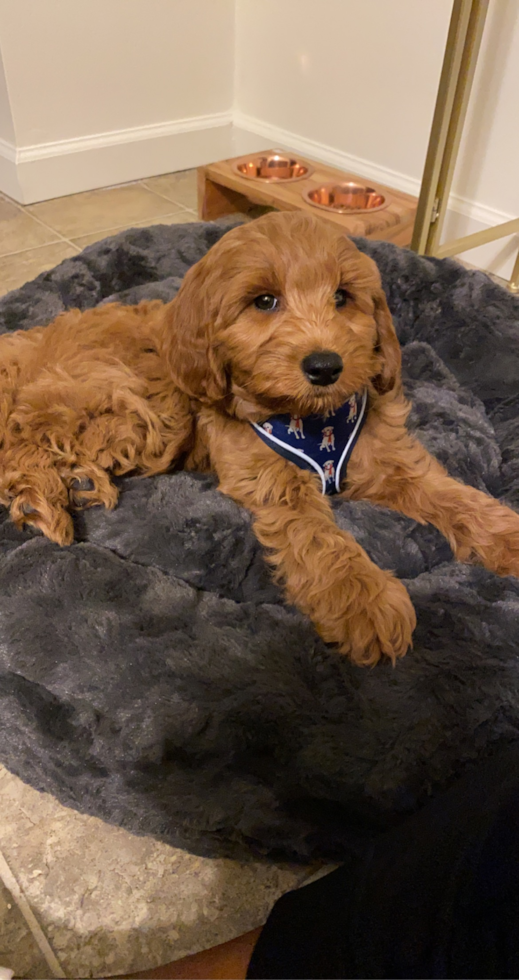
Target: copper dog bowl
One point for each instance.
(347, 198)
(272, 167)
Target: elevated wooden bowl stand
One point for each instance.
(222, 191)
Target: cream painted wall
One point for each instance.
(6, 119)
(8, 175)
(107, 91)
(356, 75)
(79, 67)
(358, 79)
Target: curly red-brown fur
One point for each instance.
(121, 389)
(87, 396)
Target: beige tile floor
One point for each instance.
(36, 237)
(98, 900)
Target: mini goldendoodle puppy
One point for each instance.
(276, 366)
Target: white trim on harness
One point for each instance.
(350, 440)
(292, 449)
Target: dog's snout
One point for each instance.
(323, 367)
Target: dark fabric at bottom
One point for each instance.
(437, 897)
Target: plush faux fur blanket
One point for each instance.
(151, 675)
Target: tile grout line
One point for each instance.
(10, 882)
(36, 248)
(95, 230)
(23, 209)
(114, 228)
(158, 193)
(139, 224)
(85, 234)
(163, 196)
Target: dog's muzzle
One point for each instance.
(323, 367)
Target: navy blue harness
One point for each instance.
(316, 442)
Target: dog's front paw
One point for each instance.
(498, 548)
(506, 560)
(381, 626)
(30, 508)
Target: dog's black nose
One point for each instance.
(323, 367)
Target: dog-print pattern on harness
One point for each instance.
(329, 439)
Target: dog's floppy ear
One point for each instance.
(189, 336)
(388, 348)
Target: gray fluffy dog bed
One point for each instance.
(151, 674)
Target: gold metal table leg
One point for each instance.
(461, 53)
(513, 283)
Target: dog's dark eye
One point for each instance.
(340, 298)
(266, 302)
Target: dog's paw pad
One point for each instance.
(83, 485)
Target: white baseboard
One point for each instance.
(464, 216)
(284, 139)
(47, 170)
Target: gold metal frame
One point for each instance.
(461, 53)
